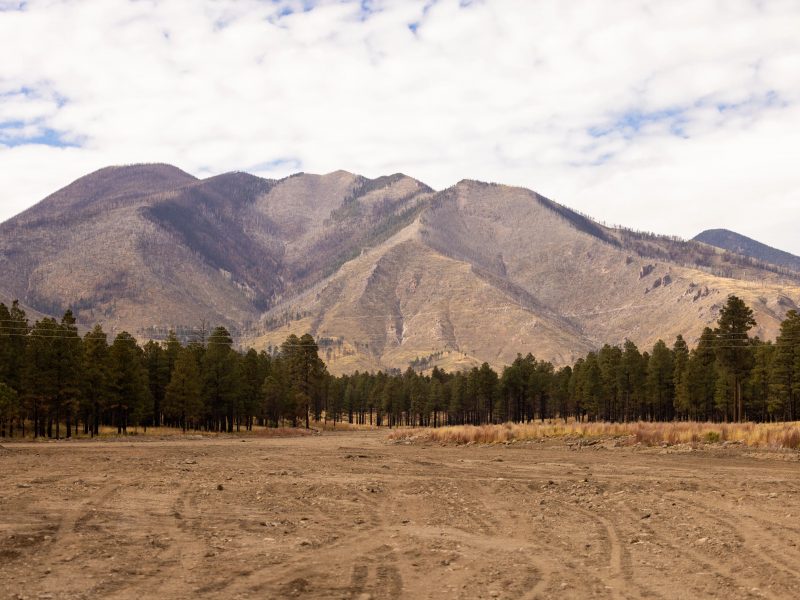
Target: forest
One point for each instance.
(55, 383)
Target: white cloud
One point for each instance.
(663, 115)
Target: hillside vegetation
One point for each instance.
(384, 273)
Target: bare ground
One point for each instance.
(352, 516)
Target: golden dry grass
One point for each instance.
(161, 433)
(342, 426)
(758, 435)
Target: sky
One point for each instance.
(670, 116)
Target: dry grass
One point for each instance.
(168, 433)
(758, 435)
(342, 426)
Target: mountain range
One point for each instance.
(384, 272)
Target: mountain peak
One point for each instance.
(731, 241)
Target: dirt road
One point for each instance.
(352, 516)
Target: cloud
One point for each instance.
(671, 116)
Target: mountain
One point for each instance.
(385, 272)
(740, 244)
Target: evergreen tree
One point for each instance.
(96, 381)
(660, 383)
(785, 372)
(680, 354)
(758, 385)
(131, 402)
(9, 409)
(609, 360)
(67, 354)
(220, 381)
(305, 372)
(40, 375)
(14, 330)
(252, 374)
(183, 403)
(632, 376)
(273, 394)
(158, 376)
(734, 351)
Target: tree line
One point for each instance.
(52, 378)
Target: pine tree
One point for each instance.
(306, 372)
(40, 375)
(252, 375)
(758, 384)
(9, 409)
(785, 371)
(67, 346)
(131, 402)
(734, 351)
(273, 394)
(6, 333)
(632, 375)
(660, 382)
(158, 376)
(14, 329)
(95, 382)
(220, 376)
(680, 354)
(609, 359)
(183, 403)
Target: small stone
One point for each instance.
(701, 541)
(220, 487)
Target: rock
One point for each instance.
(190, 461)
(23, 485)
(646, 516)
(645, 271)
(220, 487)
(701, 541)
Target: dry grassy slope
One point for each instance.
(595, 285)
(323, 221)
(404, 300)
(150, 246)
(94, 246)
(487, 271)
(386, 270)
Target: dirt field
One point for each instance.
(352, 516)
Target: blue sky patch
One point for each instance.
(278, 164)
(630, 123)
(11, 135)
(9, 6)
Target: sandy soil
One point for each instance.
(352, 516)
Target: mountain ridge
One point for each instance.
(387, 272)
(741, 244)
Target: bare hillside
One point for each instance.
(487, 271)
(386, 272)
